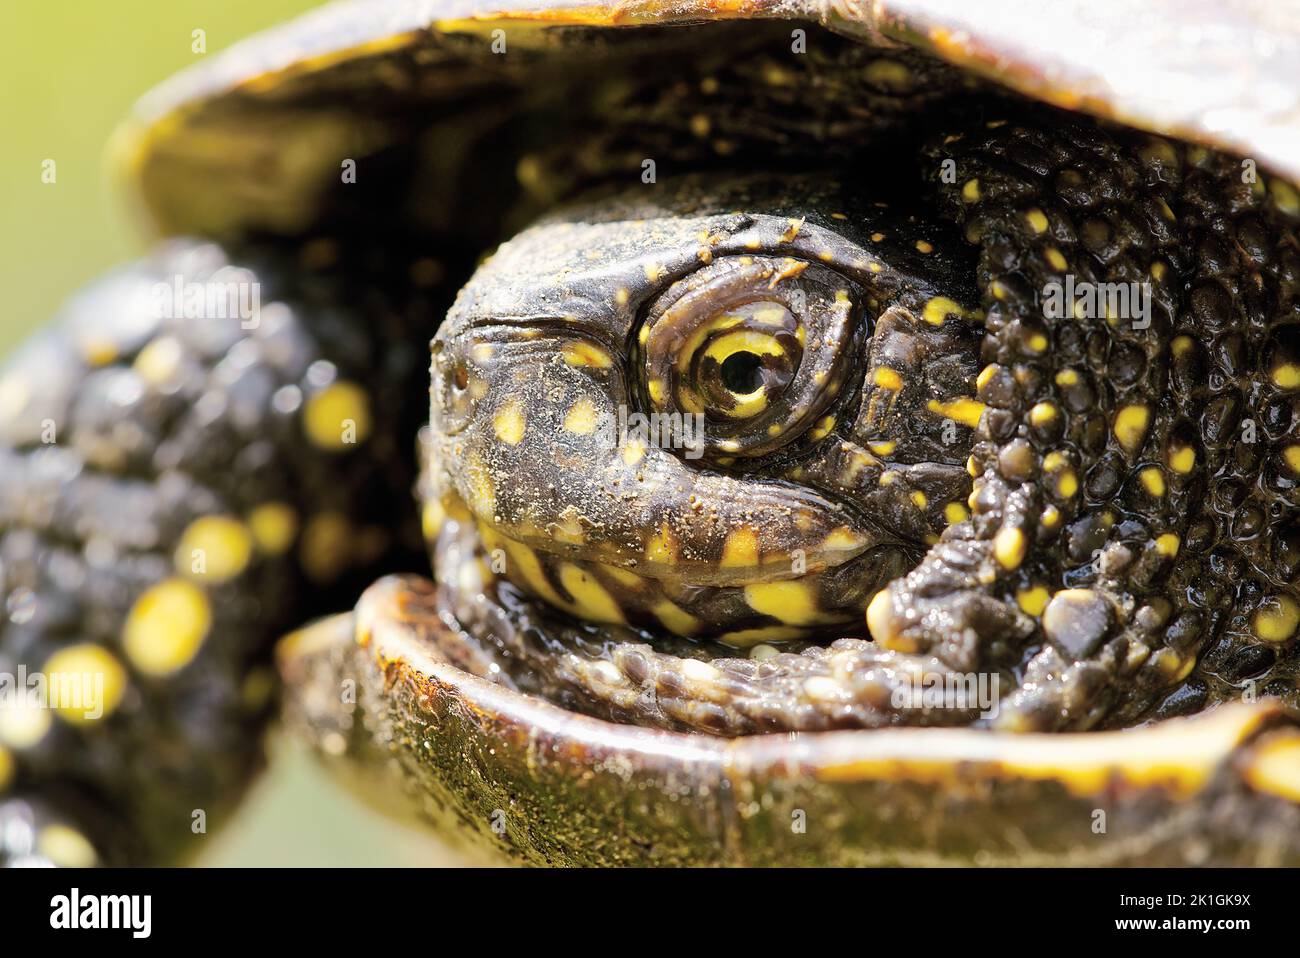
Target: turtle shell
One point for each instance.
(255, 139)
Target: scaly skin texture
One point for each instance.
(175, 492)
(1113, 469)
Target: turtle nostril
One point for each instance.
(742, 373)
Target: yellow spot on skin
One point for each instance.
(1276, 618)
(621, 297)
(1182, 459)
(159, 363)
(1287, 376)
(970, 191)
(65, 847)
(326, 415)
(883, 626)
(1067, 377)
(1167, 544)
(580, 353)
(1274, 767)
(656, 389)
(98, 350)
(662, 547)
(740, 549)
(1043, 414)
(919, 500)
(508, 423)
(23, 723)
(6, 769)
(581, 417)
(675, 619)
(92, 682)
(1055, 258)
(1033, 601)
(842, 539)
(590, 599)
(791, 602)
(653, 271)
(986, 375)
(273, 525)
(482, 352)
(885, 447)
(633, 451)
(955, 512)
(1037, 220)
(923, 247)
(877, 237)
(1182, 345)
(887, 378)
(963, 410)
(219, 546)
(166, 626)
(1051, 517)
(1285, 196)
(1153, 481)
(822, 429)
(525, 564)
(1010, 546)
(939, 309)
(1038, 343)
(1131, 427)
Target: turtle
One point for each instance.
(855, 434)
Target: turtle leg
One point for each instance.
(207, 447)
(1132, 293)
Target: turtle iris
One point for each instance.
(755, 346)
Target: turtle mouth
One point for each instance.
(576, 646)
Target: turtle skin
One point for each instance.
(175, 493)
(1115, 545)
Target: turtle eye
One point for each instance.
(756, 346)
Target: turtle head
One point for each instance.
(734, 413)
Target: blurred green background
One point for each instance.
(69, 69)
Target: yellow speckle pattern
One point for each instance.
(90, 683)
(580, 353)
(1043, 414)
(1056, 259)
(214, 549)
(940, 308)
(1033, 601)
(887, 378)
(327, 415)
(1167, 544)
(1291, 456)
(1037, 220)
(1010, 546)
(274, 526)
(675, 619)
(509, 423)
(1287, 376)
(1276, 618)
(740, 550)
(590, 599)
(166, 627)
(581, 417)
(955, 512)
(963, 410)
(791, 602)
(1153, 481)
(970, 191)
(1182, 459)
(1130, 427)
(919, 500)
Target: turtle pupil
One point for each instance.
(742, 372)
